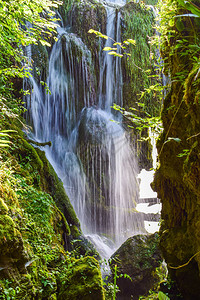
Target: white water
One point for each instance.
(90, 151)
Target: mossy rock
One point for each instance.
(138, 257)
(8, 233)
(177, 178)
(27, 152)
(12, 253)
(54, 186)
(83, 247)
(11, 243)
(83, 281)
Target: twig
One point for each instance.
(193, 136)
(187, 263)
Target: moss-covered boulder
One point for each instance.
(12, 250)
(82, 282)
(52, 184)
(138, 258)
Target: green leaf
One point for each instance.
(99, 34)
(117, 43)
(133, 42)
(184, 153)
(92, 31)
(45, 43)
(109, 49)
(5, 142)
(190, 6)
(162, 296)
(4, 145)
(177, 140)
(126, 42)
(115, 54)
(103, 36)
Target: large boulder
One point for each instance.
(138, 257)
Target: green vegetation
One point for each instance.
(38, 226)
(37, 222)
(34, 262)
(141, 77)
(17, 30)
(178, 173)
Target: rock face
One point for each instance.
(138, 257)
(177, 179)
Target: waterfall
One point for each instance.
(110, 84)
(91, 150)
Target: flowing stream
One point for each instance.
(91, 151)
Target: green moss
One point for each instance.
(138, 20)
(28, 154)
(7, 229)
(55, 187)
(3, 207)
(75, 231)
(177, 179)
(84, 282)
(10, 239)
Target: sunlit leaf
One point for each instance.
(172, 139)
(117, 43)
(115, 54)
(133, 42)
(109, 49)
(45, 43)
(162, 296)
(126, 42)
(99, 34)
(190, 6)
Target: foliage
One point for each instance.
(115, 51)
(155, 295)
(138, 64)
(23, 23)
(142, 66)
(34, 226)
(179, 37)
(194, 9)
(4, 142)
(138, 122)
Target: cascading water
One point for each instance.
(110, 83)
(91, 151)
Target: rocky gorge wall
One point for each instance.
(177, 178)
